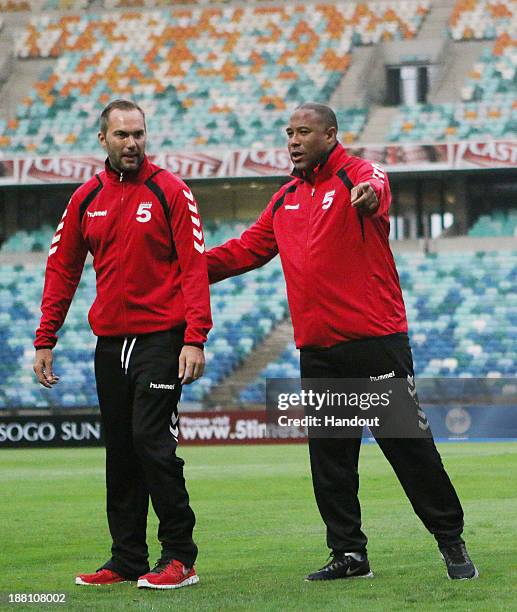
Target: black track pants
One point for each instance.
(416, 462)
(138, 389)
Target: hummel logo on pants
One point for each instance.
(140, 422)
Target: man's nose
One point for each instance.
(130, 142)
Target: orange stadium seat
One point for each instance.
(481, 19)
(220, 65)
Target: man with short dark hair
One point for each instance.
(152, 316)
(330, 225)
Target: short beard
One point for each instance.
(119, 169)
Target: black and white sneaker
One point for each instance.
(343, 565)
(459, 564)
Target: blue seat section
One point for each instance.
(20, 295)
(498, 223)
(245, 309)
(23, 241)
(462, 312)
(287, 366)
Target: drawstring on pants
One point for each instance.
(125, 363)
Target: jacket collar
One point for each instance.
(328, 165)
(138, 176)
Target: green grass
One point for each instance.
(259, 532)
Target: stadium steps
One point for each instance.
(7, 63)
(436, 23)
(379, 118)
(462, 57)
(353, 88)
(23, 76)
(226, 394)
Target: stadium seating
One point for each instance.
(220, 74)
(462, 312)
(32, 242)
(494, 118)
(37, 6)
(481, 19)
(495, 73)
(11, 6)
(206, 76)
(287, 366)
(20, 291)
(110, 4)
(489, 107)
(496, 224)
(244, 310)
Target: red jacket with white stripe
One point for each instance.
(144, 232)
(341, 279)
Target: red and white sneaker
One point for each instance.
(101, 577)
(168, 575)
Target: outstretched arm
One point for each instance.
(371, 193)
(256, 246)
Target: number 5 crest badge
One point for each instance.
(328, 199)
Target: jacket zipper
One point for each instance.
(308, 282)
(120, 243)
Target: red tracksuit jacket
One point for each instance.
(341, 279)
(145, 235)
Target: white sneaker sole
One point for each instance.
(145, 584)
(368, 575)
(81, 582)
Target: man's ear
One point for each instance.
(331, 134)
(102, 139)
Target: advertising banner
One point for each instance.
(68, 429)
(196, 428)
(241, 163)
(385, 406)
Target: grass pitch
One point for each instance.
(259, 533)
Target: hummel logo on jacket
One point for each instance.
(341, 279)
(141, 230)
